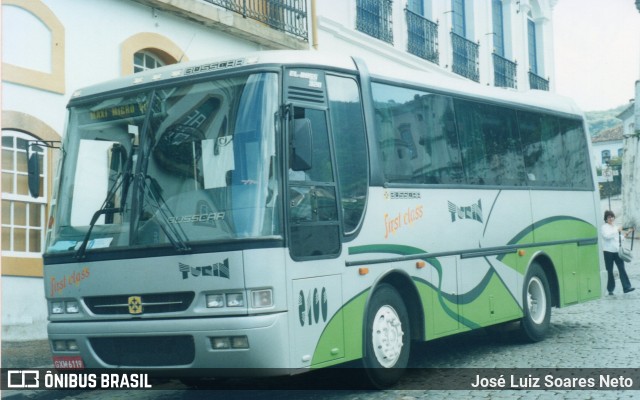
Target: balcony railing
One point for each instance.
(374, 18)
(422, 37)
(505, 72)
(465, 57)
(284, 15)
(538, 82)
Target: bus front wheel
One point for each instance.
(387, 337)
(536, 305)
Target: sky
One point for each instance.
(597, 51)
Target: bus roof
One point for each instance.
(442, 82)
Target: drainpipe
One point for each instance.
(314, 25)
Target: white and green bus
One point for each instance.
(285, 211)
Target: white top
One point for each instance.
(610, 241)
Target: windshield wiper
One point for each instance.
(119, 181)
(175, 233)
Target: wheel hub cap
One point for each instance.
(387, 336)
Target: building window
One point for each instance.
(416, 7)
(505, 71)
(145, 60)
(466, 61)
(533, 51)
(23, 217)
(498, 28)
(606, 156)
(374, 17)
(620, 151)
(458, 10)
(536, 81)
(422, 34)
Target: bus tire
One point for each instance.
(536, 305)
(387, 337)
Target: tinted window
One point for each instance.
(543, 149)
(351, 148)
(555, 151)
(489, 143)
(427, 138)
(416, 135)
(576, 155)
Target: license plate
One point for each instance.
(68, 362)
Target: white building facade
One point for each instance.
(51, 48)
(606, 146)
(506, 43)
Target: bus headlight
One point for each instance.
(57, 307)
(262, 298)
(229, 342)
(235, 300)
(219, 300)
(59, 345)
(65, 307)
(64, 345)
(220, 343)
(72, 307)
(215, 300)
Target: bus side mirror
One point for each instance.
(301, 145)
(33, 168)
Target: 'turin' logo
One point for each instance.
(220, 269)
(473, 211)
(135, 304)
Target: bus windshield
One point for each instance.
(171, 166)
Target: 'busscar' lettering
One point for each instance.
(197, 218)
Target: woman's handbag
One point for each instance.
(624, 253)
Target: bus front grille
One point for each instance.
(149, 351)
(153, 303)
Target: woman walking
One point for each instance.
(611, 237)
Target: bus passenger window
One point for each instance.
(417, 136)
(490, 144)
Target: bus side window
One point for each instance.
(490, 144)
(417, 135)
(575, 146)
(347, 127)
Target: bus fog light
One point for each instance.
(59, 345)
(72, 345)
(57, 307)
(220, 343)
(235, 300)
(262, 298)
(215, 300)
(240, 342)
(72, 307)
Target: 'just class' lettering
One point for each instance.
(394, 223)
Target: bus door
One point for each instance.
(313, 227)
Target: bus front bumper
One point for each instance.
(229, 346)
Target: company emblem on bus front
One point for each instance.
(135, 304)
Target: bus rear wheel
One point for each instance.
(536, 305)
(387, 337)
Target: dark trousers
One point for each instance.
(609, 259)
